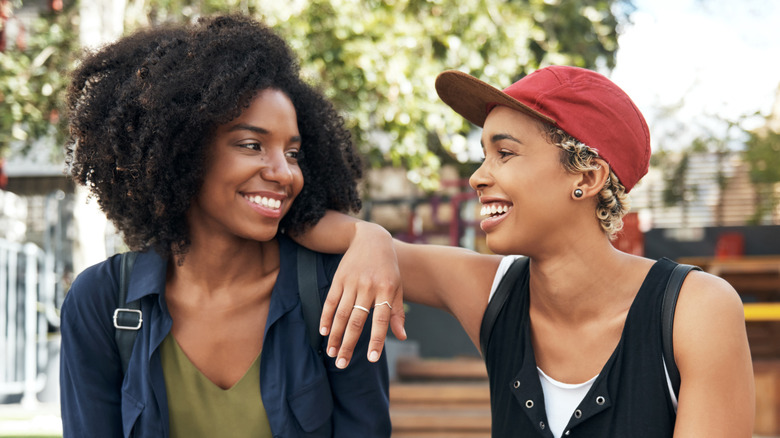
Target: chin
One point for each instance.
(511, 244)
(497, 246)
(267, 237)
(264, 235)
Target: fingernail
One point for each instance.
(332, 351)
(341, 363)
(373, 356)
(323, 331)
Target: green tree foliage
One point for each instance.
(762, 151)
(377, 60)
(33, 80)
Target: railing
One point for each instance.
(27, 309)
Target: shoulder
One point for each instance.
(94, 282)
(330, 262)
(326, 263)
(705, 295)
(709, 315)
(91, 297)
(506, 263)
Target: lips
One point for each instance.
(494, 208)
(494, 212)
(264, 201)
(268, 204)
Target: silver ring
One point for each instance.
(384, 303)
(361, 308)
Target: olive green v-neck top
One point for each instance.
(199, 408)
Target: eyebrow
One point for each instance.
(498, 137)
(258, 130)
(245, 127)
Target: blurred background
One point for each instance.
(705, 73)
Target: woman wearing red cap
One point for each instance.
(576, 345)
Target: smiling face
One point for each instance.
(252, 174)
(524, 190)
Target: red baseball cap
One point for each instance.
(585, 104)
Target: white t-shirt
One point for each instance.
(560, 399)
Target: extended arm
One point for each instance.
(717, 394)
(377, 268)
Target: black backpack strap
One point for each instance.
(309, 293)
(505, 286)
(127, 316)
(668, 305)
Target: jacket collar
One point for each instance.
(152, 269)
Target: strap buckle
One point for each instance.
(126, 321)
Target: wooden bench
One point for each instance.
(435, 398)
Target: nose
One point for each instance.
(277, 168)
(480, 179)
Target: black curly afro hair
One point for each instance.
(143, 110)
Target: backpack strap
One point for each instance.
(309, 293)
(505, 286)
(667, 320)
(127, 319)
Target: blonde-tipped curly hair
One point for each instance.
(577, 157)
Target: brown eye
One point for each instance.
(503, 153)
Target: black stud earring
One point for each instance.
(578, 193)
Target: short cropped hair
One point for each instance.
(577, 157)
(144, 109)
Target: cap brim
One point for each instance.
(471, 97)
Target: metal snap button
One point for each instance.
(529, 403)
(516, 384)
(600, 400)
(577, 413)
(541, 425)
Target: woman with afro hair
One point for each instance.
(205, 148)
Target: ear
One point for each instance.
(592, 181)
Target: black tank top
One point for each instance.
(629, 398)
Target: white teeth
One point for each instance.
(493, 209)
(264, 201)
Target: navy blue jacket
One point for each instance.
(302, 394)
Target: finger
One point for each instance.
(398, 317)
(340, 321)
(379, 325)
(355, 326)
(329, 307)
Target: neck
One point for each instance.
(213, 266)
(582, 281)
